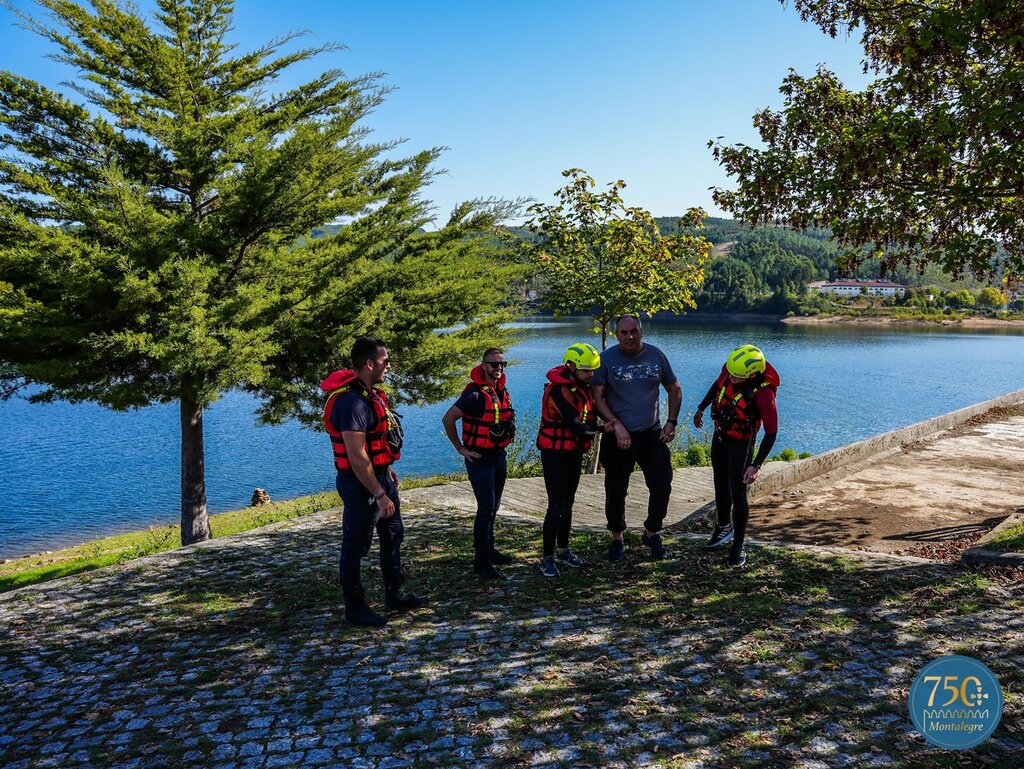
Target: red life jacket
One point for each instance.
(554, 433)
(380, 451)
(735, 409)
(497, 426)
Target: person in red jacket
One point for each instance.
(367, 439)
(488, 426)
(568, 423)
(742, 398)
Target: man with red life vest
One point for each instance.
(488, 426)
(742, 398)
(367, 440)
(568, 423)
(627, 391)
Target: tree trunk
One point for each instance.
(195, 523)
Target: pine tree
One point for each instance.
(155, 227)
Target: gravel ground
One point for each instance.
(235, 654)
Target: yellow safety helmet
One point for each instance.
(744, 361)
(585, 356)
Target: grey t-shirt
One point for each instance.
(633, 384)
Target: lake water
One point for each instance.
(72, 473)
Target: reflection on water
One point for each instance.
(72, 473)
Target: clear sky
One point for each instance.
(519, 91)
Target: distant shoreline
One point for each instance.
(875, 320)
(839, 320)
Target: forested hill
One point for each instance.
(767, 269)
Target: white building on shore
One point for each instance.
(855, 287)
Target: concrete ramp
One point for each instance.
(943, 487)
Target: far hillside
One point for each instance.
(767, 270)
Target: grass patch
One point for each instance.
(1010, 541)
(43, 567)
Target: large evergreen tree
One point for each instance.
(155, 222)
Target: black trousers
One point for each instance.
(359, 517)
(647, 450)
(729, 460)
(487, 477)
(562, 471)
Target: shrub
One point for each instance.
(786, 455)
(698, 455)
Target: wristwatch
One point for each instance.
(380, 495)
(673, 422)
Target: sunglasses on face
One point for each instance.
(496, 364)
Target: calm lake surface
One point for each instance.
(75, 473)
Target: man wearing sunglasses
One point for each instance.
(366, 438)
(488, 426)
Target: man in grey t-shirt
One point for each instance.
(626, 394)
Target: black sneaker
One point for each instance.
(738, 558)
(657, 546)
(501, 559)
(547, 566)
(720, 536)
(487, 572)
(616, 550)
(567, 557)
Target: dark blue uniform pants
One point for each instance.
(358, 519)
(487, 477)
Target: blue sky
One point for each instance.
(519, 91)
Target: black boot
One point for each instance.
(396, 598)
(501, 559)
(485, 569)
(400, 600)
(357, 612)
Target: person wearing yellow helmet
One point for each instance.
(568, 423)
(742, 398)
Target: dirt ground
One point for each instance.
(952, 486)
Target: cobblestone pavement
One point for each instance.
(235, 654)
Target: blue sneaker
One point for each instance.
(657, 547)
(720, 536)
(617, 550)
(547, 566)
(738, 558)
(568, 558)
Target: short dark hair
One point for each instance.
(492, 351)
(364, 349)
(618, 320)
